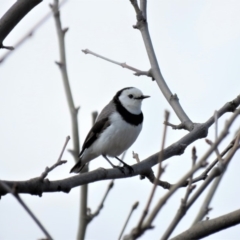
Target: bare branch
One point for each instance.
(205, 206)
(124, 65)
(150, 175)
(143, 7)
(175, 127)
(172, 99)
(63, 68)
(217, 171)
(202, 162)
(13, 191)
(134, 206)
(204, 175)
(13, 16)
(74, 117)
(208, 227)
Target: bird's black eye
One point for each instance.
(130, 96)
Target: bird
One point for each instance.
(115, 129)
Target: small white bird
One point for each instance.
(115, 130)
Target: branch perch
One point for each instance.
(65, 185)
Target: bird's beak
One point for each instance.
(142, 97)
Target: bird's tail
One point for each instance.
(78, 167)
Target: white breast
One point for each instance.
(117, 138)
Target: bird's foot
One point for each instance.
(130, 169)
(118, 167)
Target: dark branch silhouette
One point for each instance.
(13, 16)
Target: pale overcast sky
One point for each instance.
(197, 44)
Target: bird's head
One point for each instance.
(131, 99)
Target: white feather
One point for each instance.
(114, 140)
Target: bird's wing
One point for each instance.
(94, 133)
(107, 110)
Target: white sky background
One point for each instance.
(197, 44)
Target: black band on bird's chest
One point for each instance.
(130, 118)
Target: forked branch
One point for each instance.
(172, 99)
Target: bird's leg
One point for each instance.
(125, 165)
(114, 166)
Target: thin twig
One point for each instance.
(136, 232)
(204, 175)
(21, 202)
(217, 171)
(143, 8)
(58, 163)
(91, 216)
(208, 141)
(146, 209)
(182, 208)
(124, 65)
(175, 127)
(190, 187)
(134, 206)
